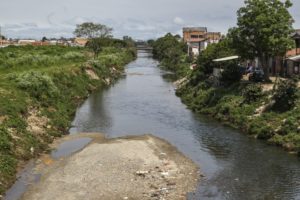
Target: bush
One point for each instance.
(7, 166)
(285, 95)
(39, 85)
(261, 129)
(252, 93)
(289, 125)
(214, 51)
(197, 77)
(73, 55)
(5, 145)
(231, 73)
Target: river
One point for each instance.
(235, 166)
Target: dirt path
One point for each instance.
(124, 168)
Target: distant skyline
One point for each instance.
(140, 19)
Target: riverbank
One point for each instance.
(40, 88)
(137, 167)
(233, 106)
(247, 106)
(145, 102)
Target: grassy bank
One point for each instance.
(272, 115)
(248, 111)
(40, 89)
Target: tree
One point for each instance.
(286, 95)
(170, 51)
(263, 30)
(44, 39)
(214, 51)
(95, 45)
(150, 42)
(129, 41)
(92, 30)
(168, 47)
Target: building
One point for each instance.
(5, 43)
(194, 34)
(80, 41)
(194, 37)
(289, 64)
(292, 61)
(40, 43)
(213, 37)
(198, 38)
(26, 42)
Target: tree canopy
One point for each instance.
(170, 50)
(263, 30)
(93, 30)
(214, 51)
(97, 44)
(168, 47)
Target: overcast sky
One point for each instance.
(141, 19)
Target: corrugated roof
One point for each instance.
(226, 58)
(294, 58)
(189, 29)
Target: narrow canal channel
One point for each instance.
(235, 166)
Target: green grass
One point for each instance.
(230, 106)
(52, 80)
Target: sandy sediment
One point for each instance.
(143, 167)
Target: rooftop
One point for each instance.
(191, 29)
(296, 34)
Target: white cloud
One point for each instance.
(141, 19)
(178, 20)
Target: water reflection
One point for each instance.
(236, 167)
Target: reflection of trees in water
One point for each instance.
(169, 77)
(251, 170)
(95, 116)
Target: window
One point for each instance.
(197, 36)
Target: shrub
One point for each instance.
(261, 129)
(231, 73)
(196, 77)
(73, 55)
(7, 165)
(289, 125)
(285, 95)
(252, 93)
(39, 85)
(5, 145)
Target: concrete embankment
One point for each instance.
(143, 167)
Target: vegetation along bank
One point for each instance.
(40, 89)
(267, 110)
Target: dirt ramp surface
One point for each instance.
(124, 168)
